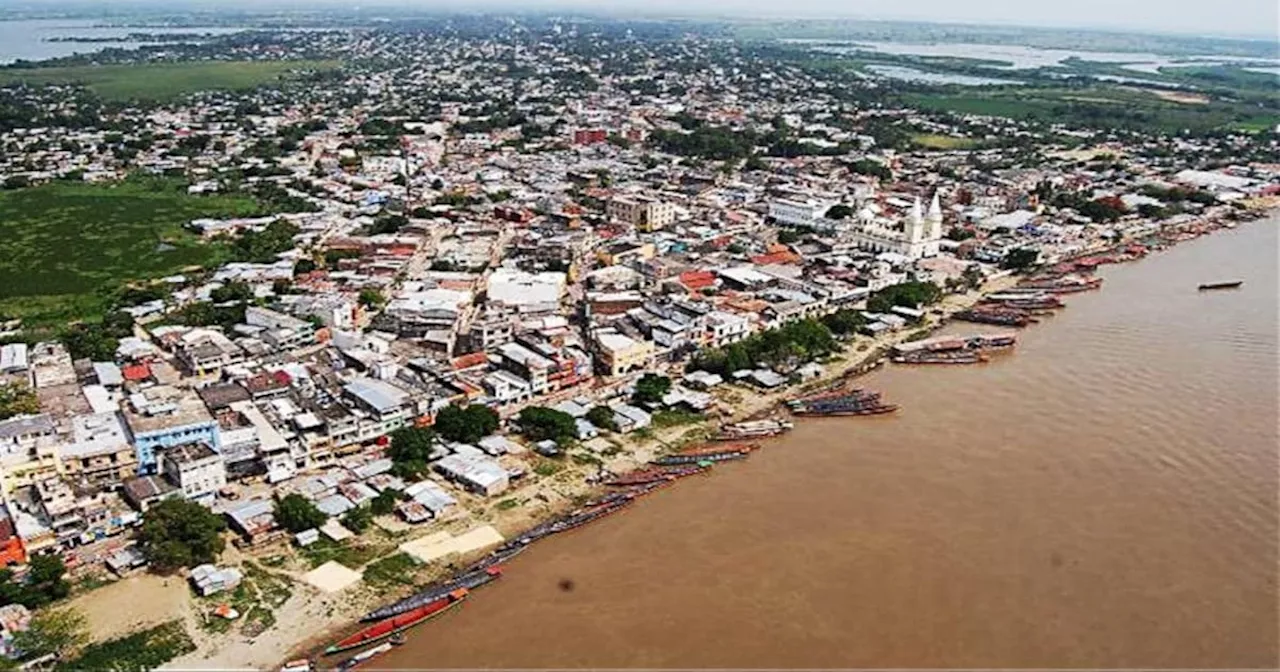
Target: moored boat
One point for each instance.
(1230, 284)
(468, 580)
(671, 460)
(396, 624)
(882, 409)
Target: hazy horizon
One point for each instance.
(1257, 19)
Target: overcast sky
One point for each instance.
(1243, 18)
(1205, 17)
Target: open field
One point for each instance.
(1101, 105)
(62, 243)
(162, 81)
(937, 141)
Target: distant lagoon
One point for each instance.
(1016, 57)
(29, 39)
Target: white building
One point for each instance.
(919, 237)
(806, 212)
(195, 469)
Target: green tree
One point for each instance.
(371, 298)
(304, 266)
(1020, 259)
(358, 519)
(385, 502)
(180, 533)
(844, 321)
(51, 633)
(839, 211)
(907, 294)
(46, 580)
(410, 450)
(651, 388)
(89, 341)
(232, 291)
(17, 399)
(296, 513)
(466, 424)
(602, 417)
(540, 423)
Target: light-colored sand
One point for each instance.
(132, 604)
(332, 577)
(442, 544)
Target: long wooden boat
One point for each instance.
(388, 627)
(671, 460)
(467, 580)
(1230, 284)
(875, 410)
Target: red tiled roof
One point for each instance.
(136, 372)
(697, 279)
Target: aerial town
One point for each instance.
(488, 275)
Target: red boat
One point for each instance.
(383, 629)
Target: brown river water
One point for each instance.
(1103, 497)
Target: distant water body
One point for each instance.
(1103, 497)
(28, 39)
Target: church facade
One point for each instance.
(916, 238)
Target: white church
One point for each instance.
(915, 238)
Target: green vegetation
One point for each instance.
(795, 342)
(410, 450)
(466, 424)
(844, 322)
(907, 295)
(265, 245)
(1102, 106)
(358, 519)
(163, 81)
(602, 417)
(180, 533)
(296, 513)
(870, 167)
(1020, 259)
(385, 502)
(651, 388)
(351, 553)
(540, 423)
(44, 582)
(672, 417)
(17, 399)
(52, 632)
(62, 244)
(397, 570)
(936, 141)
(139, 652)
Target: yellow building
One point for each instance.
(622, 354)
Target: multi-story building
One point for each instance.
(99, 454)
(621, 354)
(195, 469)
(643, 212)
(164, 416)
(800, 211)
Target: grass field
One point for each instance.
(1098, 106)
(62, 244)
(937, 141)
(163, 81)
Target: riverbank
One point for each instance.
(308, 620)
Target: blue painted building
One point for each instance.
(163, 416)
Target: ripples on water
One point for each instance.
(1103, 497)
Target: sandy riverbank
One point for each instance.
(309, 618)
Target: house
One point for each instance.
(254, 520)
(209, 579)
(195, 469)
(143, 492)
(630, 418)
(163, 416)
(702, 380)
(480, 473)
(621, 354)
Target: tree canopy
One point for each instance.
(181, 533)
(51, 633)
(907, 294)
(651, 388)
(540, 423)
(1020, 259)
(797, 341)
(296, 513)
(602, 417)
(466, 424)
(410, 450)
(43, 583)
(17, 399)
